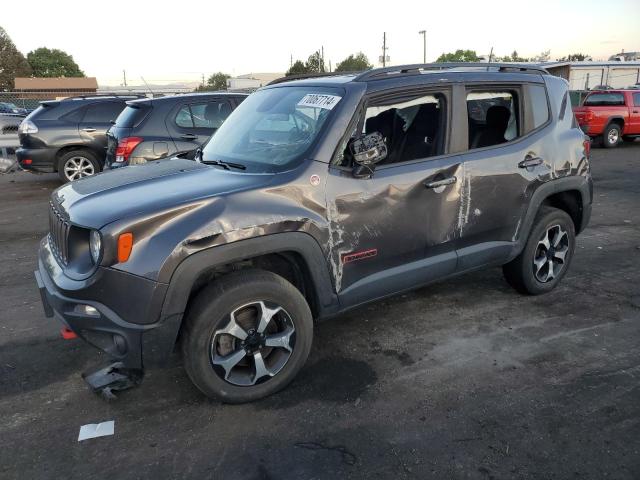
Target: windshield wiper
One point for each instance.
(224, 165)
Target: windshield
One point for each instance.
(273, 128)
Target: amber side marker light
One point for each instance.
(125, 244)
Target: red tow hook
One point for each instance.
(67, 333)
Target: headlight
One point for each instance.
(95, 245)
(27, 126)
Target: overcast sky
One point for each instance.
(178, 41)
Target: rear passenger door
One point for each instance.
(506, 159)
(634, 114)
(192, 123)
(96, 121)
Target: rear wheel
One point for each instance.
(77, 164)
(546, 256)
(611, 136)
(246, 336)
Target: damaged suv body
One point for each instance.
(315, 196)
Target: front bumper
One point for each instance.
(134, 341)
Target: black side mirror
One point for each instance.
(367, 151)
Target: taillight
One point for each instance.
(586, 144)
(125, 148)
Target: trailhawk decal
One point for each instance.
(364, 254)
(318, 100)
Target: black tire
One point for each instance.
(210, 312)
(86, 161)
(522, 274)
(611, 136)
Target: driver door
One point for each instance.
(396, 229)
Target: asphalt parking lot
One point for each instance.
(461, 379)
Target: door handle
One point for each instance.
(441, 183)
(530, 161)
(89, 130)
(188, 136)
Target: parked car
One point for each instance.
(316, 196)
(611, 115)
(153, 129)
(8, 107)
(9, 131)
(69, 136)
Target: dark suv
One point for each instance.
(68, 136)
(316, 196)
(154, 129)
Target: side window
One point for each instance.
(412, 128)
(103, 112)
(493, 117)
(636, 99)
(183, 118)
(203, 115)
(539, 106)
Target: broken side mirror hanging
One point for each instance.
(367, 151)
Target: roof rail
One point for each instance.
(107, 95)
(379, 73)
(304, 76)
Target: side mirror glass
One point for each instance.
(367, 151)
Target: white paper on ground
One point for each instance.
(94, 430)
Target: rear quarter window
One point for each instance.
(539, 105)
(132, 116)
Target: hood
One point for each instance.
(141, 189)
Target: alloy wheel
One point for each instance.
(78, 167)
(613, 136)
(551, 254)
(255, 344)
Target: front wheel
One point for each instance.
(611, 135)
(546, 256)
(246, 336)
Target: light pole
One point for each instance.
(424, 50)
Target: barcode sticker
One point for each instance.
(318, 100)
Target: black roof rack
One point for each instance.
(107, 95)
(379, 73)
(304, 76)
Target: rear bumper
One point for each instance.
(118, 334)
(42, 159)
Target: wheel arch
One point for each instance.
(617, 120)
(70, 148)
(296, 256)
(571, 194)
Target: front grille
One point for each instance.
(59, 235)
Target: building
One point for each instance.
(55, 87)
(251, 81)
(589, 75)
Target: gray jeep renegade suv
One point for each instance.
(315, 196)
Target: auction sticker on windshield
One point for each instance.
(319, 100)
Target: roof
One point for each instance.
(179, 96)
(56, 83)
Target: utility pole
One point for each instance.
(291, 61)
(384, 49)
(424, 49)
(124, 77)
(322, 59)
(203, 80)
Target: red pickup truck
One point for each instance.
(611, 115)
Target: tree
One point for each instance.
(217, 81)
(315, 63)
(459, 56)
(53, 63)
(12, 62)
(575, 57)
(514, 57)
(354, 63)
(298, 68)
